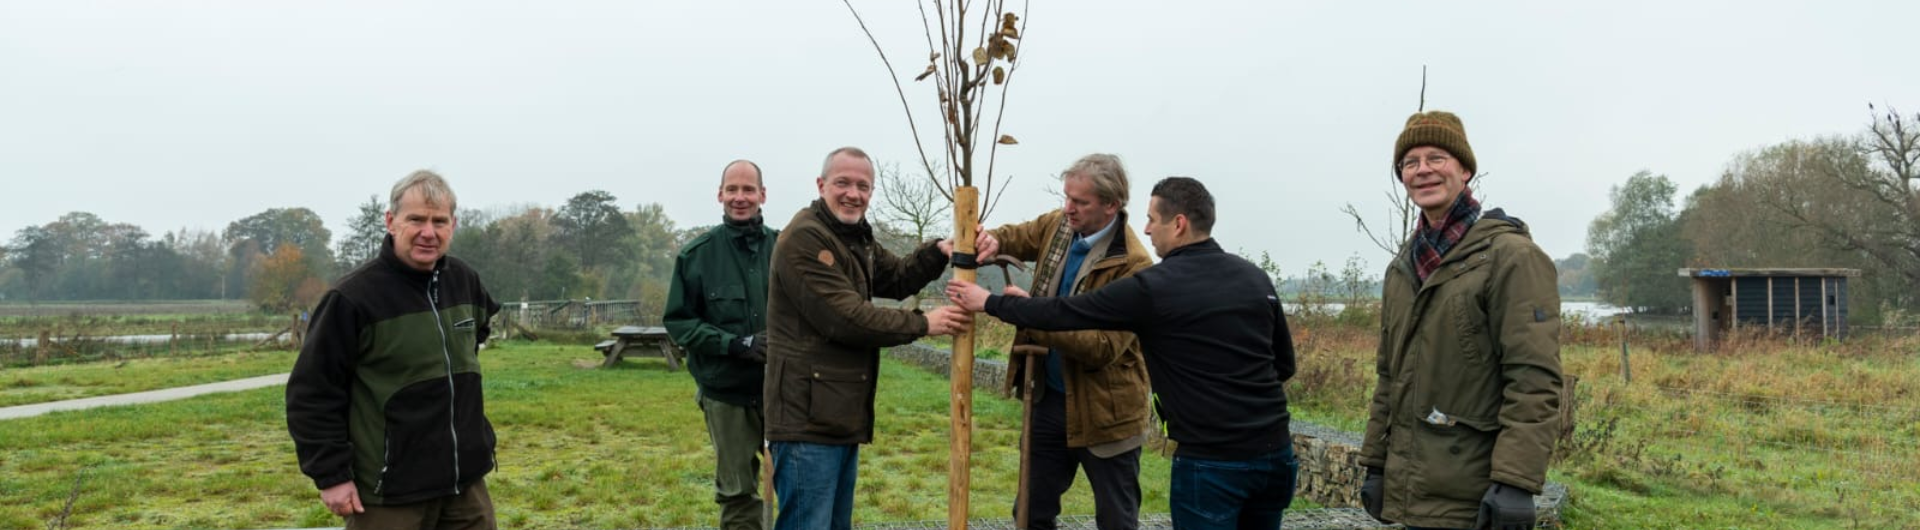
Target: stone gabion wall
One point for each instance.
(1330, 471)
(988, 374)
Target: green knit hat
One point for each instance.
(1437, 128)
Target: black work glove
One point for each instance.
(750, 347)
(1373, 492)
(1505, 508)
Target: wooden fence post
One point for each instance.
(1626, 366)
(45, 345)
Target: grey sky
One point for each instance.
(194, 114)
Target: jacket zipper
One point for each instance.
(433, 304)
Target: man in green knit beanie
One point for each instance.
(1468, 399)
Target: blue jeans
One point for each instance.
(1233, 494)
(813, 485)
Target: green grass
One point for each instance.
(22, 386)
(579, 448)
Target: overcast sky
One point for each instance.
(195, 114)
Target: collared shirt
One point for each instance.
(1076, 257)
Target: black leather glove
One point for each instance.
(1505, 508)
(1372, 494)
(750, 347)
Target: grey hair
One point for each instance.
(849, 151)
(1102, 170)
(433, 189)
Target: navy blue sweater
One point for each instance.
(1216, 341)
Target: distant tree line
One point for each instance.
(1842, 201)
(283, 258)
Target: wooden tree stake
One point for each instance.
(966, 215)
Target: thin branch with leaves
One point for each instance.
(961, 78)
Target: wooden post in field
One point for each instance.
(1626, 367)
(966, 215)
(172, 336)
(45, 345)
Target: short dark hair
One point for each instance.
(1188, 197)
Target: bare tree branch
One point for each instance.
(895, 77)
(993, 153)
(1423, 90)
(994, 199)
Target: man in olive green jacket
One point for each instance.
(1464, 414)
(717, 312)
(1090, 411)
(824, 336)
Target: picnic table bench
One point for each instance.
(627, 337)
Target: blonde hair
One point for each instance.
(1104, 172)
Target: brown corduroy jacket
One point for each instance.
(823, 332)
(1105, 375)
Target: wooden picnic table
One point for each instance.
(627, 337)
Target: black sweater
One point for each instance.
(1216, 341)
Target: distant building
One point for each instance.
(1796, 302)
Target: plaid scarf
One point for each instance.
(1431, 243)
(1044, 282)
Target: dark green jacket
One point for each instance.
(718, 294)
(1478, 342)
(823, 332)
(386, 391)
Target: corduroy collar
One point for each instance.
(861, 231)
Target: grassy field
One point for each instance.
(1762, 434)
(39, 384)
(580, 448)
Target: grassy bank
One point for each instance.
(104, 324)
(579, 448)
(18, 308)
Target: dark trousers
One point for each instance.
(1053, 465)
(736, 433)
(472, 509)
(1233, 494)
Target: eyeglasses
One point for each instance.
(1432, 160)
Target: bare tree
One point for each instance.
(1895, 141)
(914, 206)
(1397, 227)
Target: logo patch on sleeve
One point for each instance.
(826, 256)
